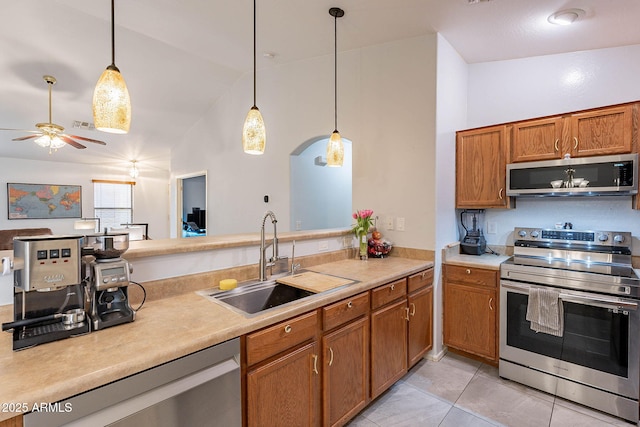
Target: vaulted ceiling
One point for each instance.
(179, 56)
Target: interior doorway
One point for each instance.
(192, 204)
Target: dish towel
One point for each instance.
(545, 311)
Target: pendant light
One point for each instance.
(335, 147)
(254, 135)
(111, 102)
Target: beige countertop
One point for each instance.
(164, 330)
(452, 256)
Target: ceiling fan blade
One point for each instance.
(71, 142)
(22, 130)
(22, 138)
(82, 138)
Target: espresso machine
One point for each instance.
(108, 279)
(49, 293)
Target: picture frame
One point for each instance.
(43, 201)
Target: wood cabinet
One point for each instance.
(283, 386)
(345, 367)
(420, 300)
(389, 318)
(598, 132)
(481, 162)
(12, 422)
(471, 310)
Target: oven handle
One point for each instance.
(600, 301)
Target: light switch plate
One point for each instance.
(389, 221)
(400, 223)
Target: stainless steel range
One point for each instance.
(580, 292)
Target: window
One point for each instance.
(113, 202)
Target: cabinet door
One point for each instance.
(481, 162)
(602, 132)
(388, 346)
(470, 319)
(537, 140)
(345, 372)
(286, 391)
(420, 324)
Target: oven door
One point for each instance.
(599, 346)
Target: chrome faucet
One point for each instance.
(263, 246)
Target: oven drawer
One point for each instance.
(471, 275)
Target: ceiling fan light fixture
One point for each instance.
(565, 17)
(111, 101)
(133, 171)
(254, 133)
(335, 150)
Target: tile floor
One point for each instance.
(460, 392)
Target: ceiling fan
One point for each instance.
(50, 134)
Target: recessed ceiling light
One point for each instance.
(565, 17)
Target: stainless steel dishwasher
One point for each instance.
(201, 389)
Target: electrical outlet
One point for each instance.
(492, 227)
(298, 225)
(347, 242)
(323, 246)
(400, 223)
(389, 221)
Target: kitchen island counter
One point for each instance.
(164, 330)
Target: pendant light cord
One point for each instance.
(335, 71)
(113, 34)
(254, 53)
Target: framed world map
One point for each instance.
(44, 201)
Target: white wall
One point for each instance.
(386, 106)
(151, 196)
(505, 91)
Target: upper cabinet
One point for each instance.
(481, 161)
(599, 132)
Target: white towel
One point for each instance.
(545, 311)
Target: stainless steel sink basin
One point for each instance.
(254, 298)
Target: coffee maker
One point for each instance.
(473, 242)
(108, 279)
(49, 294)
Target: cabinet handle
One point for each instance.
(468, 271)
(575, 142)
(393, 286)
(500, 193)
(406, 314)
(413, 309)
(315, 364)
(287, 329)
(424, 273)
(490, 305)
(555, 145)
(330, 356)
(349, 304)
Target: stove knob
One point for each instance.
(603, 237)
(522, 233)
(535, 233)
(618, 238)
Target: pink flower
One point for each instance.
(355, 215)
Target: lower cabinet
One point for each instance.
(420, 331)
(12, 422)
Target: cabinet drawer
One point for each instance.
(277, 338)
(471, 275)
(420, 280)
(387, 293)
(343, 311)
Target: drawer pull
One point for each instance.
(349, 304)
(500, 194)
(555, 145)
(406, 314)
(575, 143)
(393, 286)
(490, 304)
(315, 364)
(424, 273)
(330, 356)
(413, 309)
(468, 271)
(287, 329)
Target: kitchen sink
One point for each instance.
(256, 297)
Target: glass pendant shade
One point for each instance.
(335, 150)
(47, 141)
(111, 102)
(254, 135)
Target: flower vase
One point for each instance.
(363, 247)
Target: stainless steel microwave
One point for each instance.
(582, 176)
